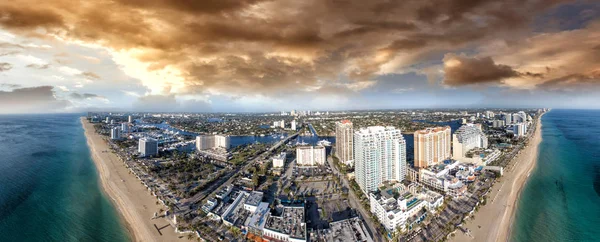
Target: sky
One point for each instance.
(274, 55)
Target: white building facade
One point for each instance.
(310, 155)
(466, 138)
(148, 147)
(379, 156)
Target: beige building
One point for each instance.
(204, 142)
(344, 134)
(432, 146)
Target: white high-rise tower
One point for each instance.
(379, 156)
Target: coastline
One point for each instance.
(493, 222)
(133, 201)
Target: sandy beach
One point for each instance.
(134, 202)
(494, 220)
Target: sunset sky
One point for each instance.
(270, 55)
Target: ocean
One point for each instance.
(561, 199)
(49, 187)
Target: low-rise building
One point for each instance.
(288, 226)
(394, 213)
(346, 230)
(279, 160)
(253, 201)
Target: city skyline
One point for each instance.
(258, 56)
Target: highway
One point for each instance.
(216, 186)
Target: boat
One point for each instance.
(324, 142)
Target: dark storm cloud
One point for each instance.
(462, 70)
(266, 47)
(31, 100)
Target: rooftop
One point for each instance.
(291, 222)
(254, 199)
(259, 218)
(344, 231)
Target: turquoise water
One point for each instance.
(49, 188)
(561, 200)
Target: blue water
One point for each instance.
(561, 200)
(249, 139)
(49, 188)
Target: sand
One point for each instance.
(133, 200)
(494, 220)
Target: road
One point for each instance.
(355, 202)
(211, 191)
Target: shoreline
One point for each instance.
(133, 201)
(493, 222)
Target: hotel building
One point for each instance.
(466, 138)
(432, 146)
(205, 142)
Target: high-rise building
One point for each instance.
(498, 123)
(466, 138)
(282, 124)
(124, 127)
(507, 119)
(293, 125)
(114, 133)
(520, 129)
(205, 142)
(310, 155)
(222, 141)
(379, 156)
(130, 119)
(516, 118)
(432, 146)
(344, 136)
(148, 147)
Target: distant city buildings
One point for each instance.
(279, 124)
(507, 119)
(379, 156)
(148, 147)
(205, 142)
(498, 123)
(115, 133)
(466, 138)
(344, 134)
(310, 155)
(520, 129)
(432, 146)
